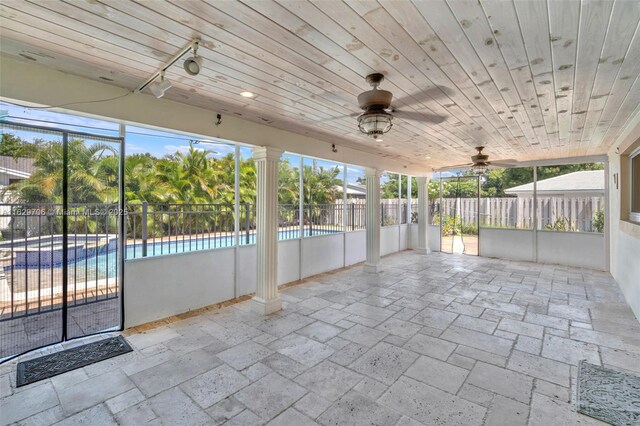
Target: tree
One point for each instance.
(248, 181)
(288, 184)
(14, 146)
(88, 182)
(389, 189)
(320, 186)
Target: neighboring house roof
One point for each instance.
(353, 189)
(20, 168)
(584, 181)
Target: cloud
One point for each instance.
(131, 148)
(180, 148)
(220, 148)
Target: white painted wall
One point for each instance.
(434, 237)
(288, 261)
(389, 239)
(247, 270)
(355, 248)
(404, 236)
(581, 249)
(159, 287)
(627, 268)
(321, 254)
(162, 286)
(624, 240)
(515, 244)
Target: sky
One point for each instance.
(142, 140)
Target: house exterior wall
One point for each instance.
(624, 235)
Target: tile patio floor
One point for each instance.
(439, 339)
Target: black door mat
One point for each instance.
(608, 395)
(51, 365)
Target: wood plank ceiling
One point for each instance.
(528, 79)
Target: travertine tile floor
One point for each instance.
(438, 339)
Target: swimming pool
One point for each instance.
(101, 260)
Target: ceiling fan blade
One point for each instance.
(418, 116)
(435, 92)
(504, 163)
(456, 167)
(339, 117)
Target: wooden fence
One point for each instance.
(560, 213)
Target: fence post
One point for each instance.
(310, 221)
(353, 216)
(247, 210)
(143, 231)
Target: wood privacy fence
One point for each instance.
(562, 213)
(390, 212)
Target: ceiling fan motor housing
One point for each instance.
(375, 99)
(480, 158)
(375, 121)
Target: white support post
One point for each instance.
(399, 205)
(535, 213)
(423, 216)
(236, 218)
(409, 179)
(372, 208)
(266, 300)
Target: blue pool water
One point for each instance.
(104, 265)
(179, 245)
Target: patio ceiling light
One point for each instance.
(375, 123)
(192, 66)
(158, 89)
(193, 63)
(480, 169)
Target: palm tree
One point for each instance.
(321, 186)
(90, 180)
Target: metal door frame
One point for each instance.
(478, 197)
(120, 140)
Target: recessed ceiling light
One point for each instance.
(247, 94)
(427, 157)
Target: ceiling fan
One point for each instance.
(378, 114)
(480, 163)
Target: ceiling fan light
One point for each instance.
(375, 123)
(480, 169)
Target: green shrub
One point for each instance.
(469, 229)
(598, 221)
(450, 224)
(561, 224)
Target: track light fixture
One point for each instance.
(158, 89)
(191, 65)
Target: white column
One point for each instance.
(266, 300)
(409, 179)
(423, 216)
(372, 208)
